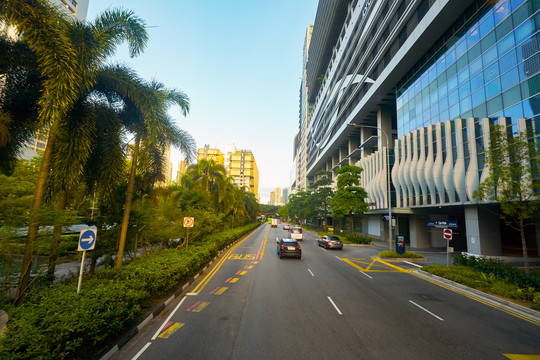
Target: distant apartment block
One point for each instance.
(207, 153)
(243, 169)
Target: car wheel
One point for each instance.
(300, 257)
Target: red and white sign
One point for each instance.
(447, 234)
(188, 222)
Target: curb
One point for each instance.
(507, 305)
(131, 333)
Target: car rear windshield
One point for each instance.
(334, 238)
(290, 243)
(296, 231)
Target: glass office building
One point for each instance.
(490, 71)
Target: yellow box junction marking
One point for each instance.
(221, 291)
(243, 273)
(376, 265)
(233, 280)
(522, 357)
(200, 307)
(170, 330)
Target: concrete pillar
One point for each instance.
(343, 153)
(418, 232)
(483, 234)
(384, 121)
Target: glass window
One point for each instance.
(480, 111)
(475, 51)
(487, 25)
(443, 103)
(504, 28)
(451, 71)
(488, 41)
(462, 62)
(453, 97)
(490, 56)
(441, 79)
(530, 107)
(494, 105)
(493, 88)
(524, 31)
(475, 66)
(463, 76)
(491, 72)
(452, 83)
(477, 81)
(464, 90)
(461, 47)
(517, 3)
(478, 97)
(434, 110)
(465, 104)
(472, 37)
(444, 115)
(506, 44)
(453, 112)
(514, 112)
(512, 96)
(509, 79)
(501, 12)
(508, 61)
(523, 12)
(442, 91)
(450, 56)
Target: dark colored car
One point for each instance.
(330, 242)
(288, 248)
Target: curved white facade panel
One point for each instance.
(428, 166)
(459, 166)
(421, 166)
(414, 162)
(374, 178)
(395, 178)
(438, 165)
(471, 176)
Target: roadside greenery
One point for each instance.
(55, 322)
(486, 282)
(393, 254)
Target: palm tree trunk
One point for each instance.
(352, 224)
(37, 202)
(127, 206)
(57, 233)
(524, 245)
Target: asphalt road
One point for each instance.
(332, 304)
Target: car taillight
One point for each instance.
(284, 247)
(298, 247)
(300, 231)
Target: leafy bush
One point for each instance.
(357, 239)
(501, 270)
(394, 254)
(57, 323)
(477, 279)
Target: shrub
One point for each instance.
(394, 254)
(357, 239)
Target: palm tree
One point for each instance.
(210, 177)
(68, 55)
(155, 131)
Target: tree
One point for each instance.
(298, 204)
(349, 197)
(68, 55)
(155, 131)
(321, 194)
(512, 164)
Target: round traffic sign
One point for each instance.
(447, 234)
(188, 222)
(87, 240)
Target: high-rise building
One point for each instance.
(207, 153)
(422, 81)
(243, 169)
(275, 197)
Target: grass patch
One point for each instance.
(393, 254)
(486, 282)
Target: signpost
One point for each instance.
(447, 235)
(188, 223)
(87, 241)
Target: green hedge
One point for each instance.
(57, 323)
(357, 239)
(501, 269)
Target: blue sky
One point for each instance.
(240, 63)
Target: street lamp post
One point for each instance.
(389, 194)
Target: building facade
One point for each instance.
(207, 153)
(422, 81)
(243, 170)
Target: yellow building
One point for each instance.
(243, 169)
(211, 154)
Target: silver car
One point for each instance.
(330, 242)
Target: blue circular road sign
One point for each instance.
(87, 239)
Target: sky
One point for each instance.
(240, 64)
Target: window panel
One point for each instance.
(493, 88)
(506, 44)
(494, 105)
(488, 41)
(491, 72)
(524, 31)
(512, 96)
(477, 82)
(509, 79)
(478, 97)
(508, 61)
(487, 25)
(489, 56)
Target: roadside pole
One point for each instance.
(447, 235)
(188, 222)
(87, 241)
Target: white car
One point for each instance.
(296, 233)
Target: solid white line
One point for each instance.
(335, 306)
(429, 312)
(413, 264)
(310, 272)
(365, 274)
(337, 257)
(142, 350)
(167, 320)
